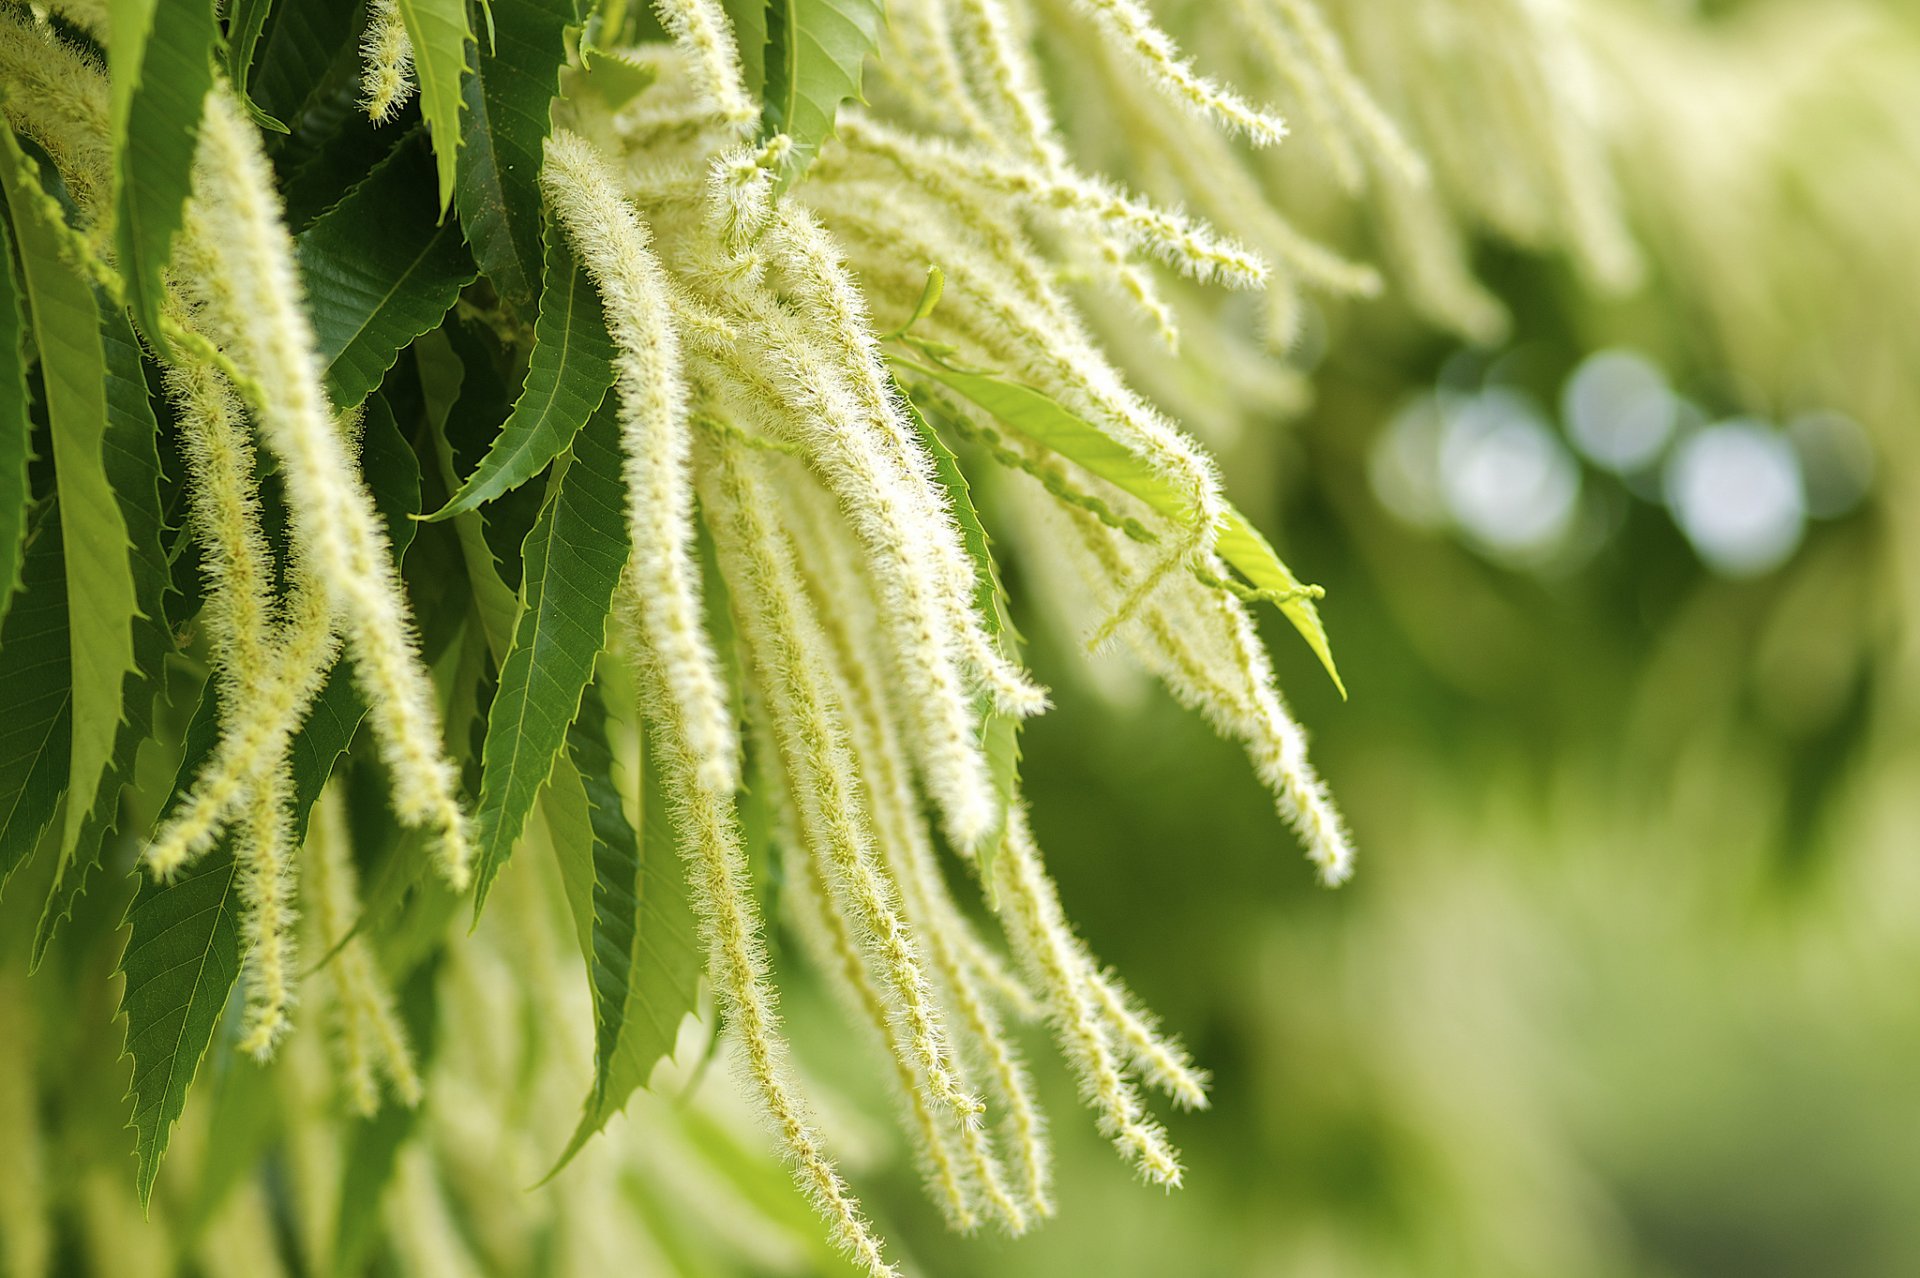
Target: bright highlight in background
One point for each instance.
(1735, 492)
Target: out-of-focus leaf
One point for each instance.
(440, 34)
(567, 377)
(378, 273)
(101, 601)
(643, 960)
(161, 56)
(1051, 424)
(815, 50)
(508, 98)
(572, 561)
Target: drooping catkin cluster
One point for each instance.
(386, 80)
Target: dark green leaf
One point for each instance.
(506, 125)
(572, 561)
(36, 697)
(16, 427)
(245, 21)
(301, 52)
(814, 55)
(568, 376)
(378, 273)
(161, 53)
(643, 958)
(440, 34)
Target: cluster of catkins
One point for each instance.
(758, 399)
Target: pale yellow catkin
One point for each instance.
(786, 648)
(718, 883)
(655, 441)
(254, 300)
(386, 53)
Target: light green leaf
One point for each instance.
(814, 55)
(567, 377)
(508, 99)
(439, 32)
(570, 564)
(133, 470)
(16, 427)
(378, 273)
(643, 959)
(161, 54)
(183, 956)
(1046, 421)
(100, 590)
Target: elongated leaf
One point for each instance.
(181, 960)
(161, 52)
(572, 561)
(183, 955)
(378, 273)
(133, 469)
(508, 99)
(999, 731)
(439, 33)
(299, 44)
(643, 960)
(36, 697)
(246, 19)
(567, 377)
(100, 591)
(443, 377)
(814, 55)
(16, 427)
(1050, 423)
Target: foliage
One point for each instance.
(596, 459)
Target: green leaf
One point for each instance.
(1046, 421)
(440, 34)
(133, 470)
(749, 18)
(182, 956)
(161, 55)
(442, 375)
(572, 561)
(814, 55)
(508, 100)
(100, 590)
(181, 961)
(643, 959)
(36, 697)
(567, 377)
(246, 19)
(16, 427)
(999, 731)
(378, 273)
(306, 51)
